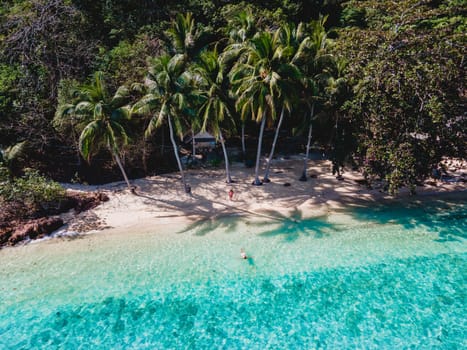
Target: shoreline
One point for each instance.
(161, 200)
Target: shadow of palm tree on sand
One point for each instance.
(293, 226)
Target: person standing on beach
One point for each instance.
(231, 193)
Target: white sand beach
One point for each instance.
(161, 199)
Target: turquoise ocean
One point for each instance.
(388, 276)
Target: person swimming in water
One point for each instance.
(243, 254)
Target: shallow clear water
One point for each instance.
(385, 277)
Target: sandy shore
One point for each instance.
(161, 199)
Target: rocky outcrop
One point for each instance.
(8, 221)
(34, 229)
(86, 201)
(14, 228)
(6, 230)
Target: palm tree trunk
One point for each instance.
(180, 167)
(243, 141)
(193, 143)
(228, 179)
(305, 161)
(271, 154)
(257, 181)
(119, 162)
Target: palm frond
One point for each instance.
(118, 133)
(64, 110)
(88, 138)
(176, 65)
(120, 114)
(178, 127)
(139, 88)
(121, 97)
(163, 114)
(15, 151)
(207, 108)
(84, 108)
(146, 105)
(98, 111)
(63, 114)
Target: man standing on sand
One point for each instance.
(231, 193)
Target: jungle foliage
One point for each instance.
(385, 90)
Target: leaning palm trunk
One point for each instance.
(257, 181)
(305, 160)
(119, 162)
(228, 179)
(271, 154)
(308, 145)
(172, 138)
(193, 143)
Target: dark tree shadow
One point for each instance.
(204, 226)
(446, 216)
(291, 228)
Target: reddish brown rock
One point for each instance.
(35, 228)
(17, 225)
(85, 201)
(7, 221)
(6, 230)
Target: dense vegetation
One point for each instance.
(379, 84)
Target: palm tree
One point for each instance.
(258, 84)
(65, 120)
(337, 91)
(307, 122)
(186, 37)
(216, 107)
(336, 85)
(314, 63)
(291, 52)
(169, 89)
(241, 27)
(65, 117)
(104, 116)
(308, 101)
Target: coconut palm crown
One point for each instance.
(261, 82)
(103, 117)
(215, 111)
(170, 88)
